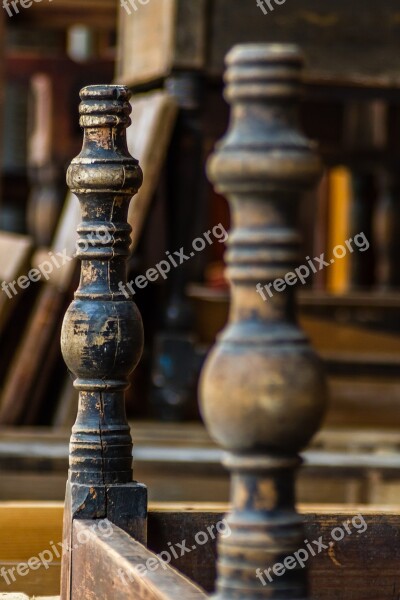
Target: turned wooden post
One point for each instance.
(102, 336)
(262, 390)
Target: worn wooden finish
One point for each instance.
(262, 391)
(102, 335)
(110, 564)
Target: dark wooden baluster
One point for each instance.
(102, 335)
(263, 390)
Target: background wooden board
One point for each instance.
(150, 31)
(359, 567)
(342, 41)
(153, 119)
(14, 255)
(15, 252)
(162, 35)
(27, 529)
(343, 466)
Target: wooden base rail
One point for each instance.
(351, 569)
(115, 567)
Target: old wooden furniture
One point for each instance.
(263, 391)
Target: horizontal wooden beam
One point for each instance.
(358, 566)
(361, 566)
(110, 564)
(52, 457)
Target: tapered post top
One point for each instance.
(104, 164)
(264, 148)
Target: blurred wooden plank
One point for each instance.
(364, 402)
(352, 569)
(150, 33)
(15, 252)
(153, 119)
(14, 255)
(113, 566)
(337, 46)
(158, 37)
(27, 530)
(341, 467)
(330, 337)
(38, 348)
(33, 363)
